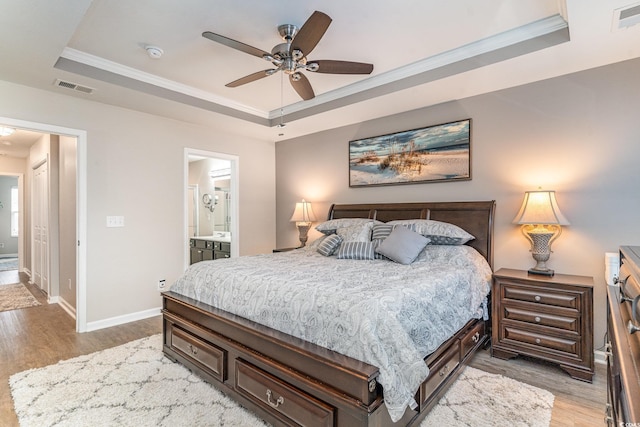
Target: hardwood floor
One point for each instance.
(39, 336)
(43, 335)
(576, 403)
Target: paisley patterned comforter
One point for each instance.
(386, 314)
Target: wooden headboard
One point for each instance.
(474, 217)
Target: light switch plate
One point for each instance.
(115, 221)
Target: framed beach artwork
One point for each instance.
(437, 153)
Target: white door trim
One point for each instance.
(81, 207)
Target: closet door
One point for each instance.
(40, 223)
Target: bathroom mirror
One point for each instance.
(211, 211)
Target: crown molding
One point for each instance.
(141, 76)
(537, 35)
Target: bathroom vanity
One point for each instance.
(203, 248)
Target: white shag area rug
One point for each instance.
(135, 385)
(16, 296)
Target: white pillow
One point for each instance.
(330, 227)
(356, 233)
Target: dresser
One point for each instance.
(550, 318)
(623, 342)
(208, 249)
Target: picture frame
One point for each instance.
(437, 153)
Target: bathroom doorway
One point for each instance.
(211, 198)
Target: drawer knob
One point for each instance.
(444, 370)
(476, 337)
(279, 401)
(537, 298)
(537, 340)
(194, 350)
(537, 319)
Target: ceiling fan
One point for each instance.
(291, 56)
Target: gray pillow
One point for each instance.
(328, 246)
(356, 250)
(403, 245)
(440, 233)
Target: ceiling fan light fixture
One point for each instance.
(297, 54)
(290, 57)
(312, 67)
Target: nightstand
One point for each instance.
(550, 318)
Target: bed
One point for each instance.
(291, 377)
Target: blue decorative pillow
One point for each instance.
(356, 250)
(402, 246)
(328, 246)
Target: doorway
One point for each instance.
(78, 160)
(211, 205)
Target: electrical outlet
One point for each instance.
(161, 284)
(69, 284)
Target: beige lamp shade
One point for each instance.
(303, 213)
(540, 207)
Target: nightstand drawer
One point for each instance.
(544, 319)
(564, 345)
(542, 296)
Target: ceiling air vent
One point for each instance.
(626, 17)
(73, 86)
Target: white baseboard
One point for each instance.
(119, 320)
(71, 311)
(53, 300)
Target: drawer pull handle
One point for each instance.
(537, 319)
(444, 370)
(476, 337)
(279, 400)
(537, 298)
(194, 350)
(537, 340)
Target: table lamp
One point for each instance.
(303, 216)
(541, 222)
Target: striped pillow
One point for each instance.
(328, 246)
(356, 250)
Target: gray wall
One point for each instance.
(576, 134)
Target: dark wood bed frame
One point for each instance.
(288, 381)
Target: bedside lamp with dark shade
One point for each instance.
(303, 216)
(541, 222)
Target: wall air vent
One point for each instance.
(626, 17)
(73, 86)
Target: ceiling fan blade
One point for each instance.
(251, 78)
(311, 32)
(342, 67)
(235, 44)
(302, 86)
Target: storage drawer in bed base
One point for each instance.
(259, 382)
(287, 403)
